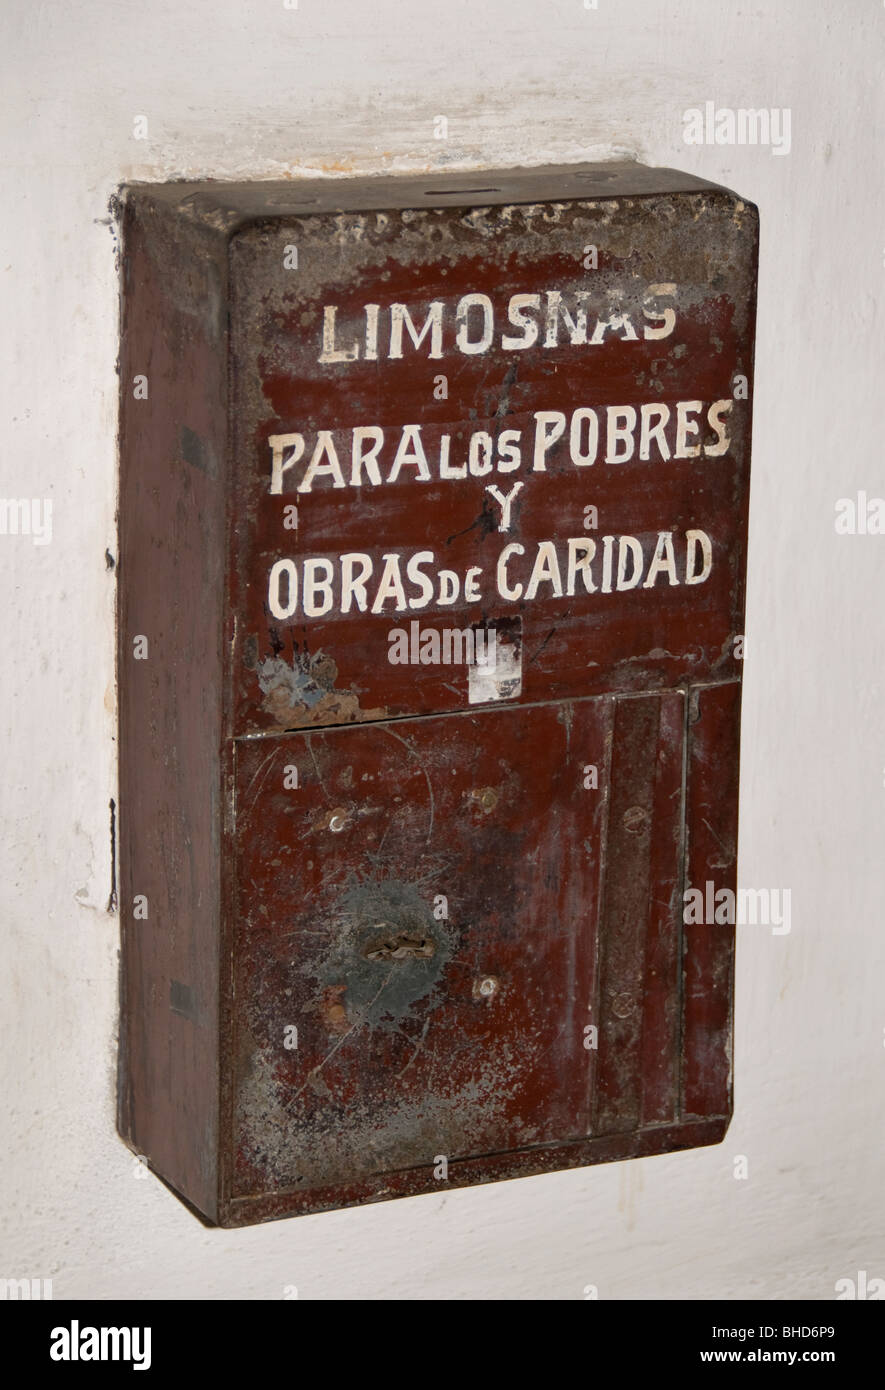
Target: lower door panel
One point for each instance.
(460, 937)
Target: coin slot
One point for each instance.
(401, 946)
(456, 192)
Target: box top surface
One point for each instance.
(225, 206)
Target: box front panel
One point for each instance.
(488, 537)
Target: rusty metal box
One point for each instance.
(432, 551)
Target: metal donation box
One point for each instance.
(432, 554)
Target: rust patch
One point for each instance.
(302, 695)
(484, 799)
(333, 1010)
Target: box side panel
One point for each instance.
(171, 577)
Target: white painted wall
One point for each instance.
(248, 88)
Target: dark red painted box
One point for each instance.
(433, 521)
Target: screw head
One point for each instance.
(635, 819)
(623, 1005)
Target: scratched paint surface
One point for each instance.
(444, 912)
(471, 1039)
